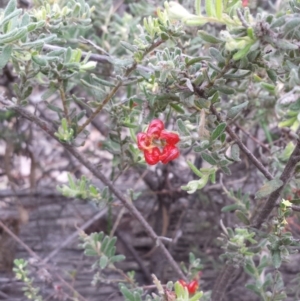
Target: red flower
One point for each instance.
(156, 136)
(192, 287)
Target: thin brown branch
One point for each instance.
(243, 147)
(98, 174)
(264, 210)
(73, 236)
(295, 208)
(34, 255)
(222, 282)
(258, 219)
(116, 88)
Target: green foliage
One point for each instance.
(238, 70)
(22, 273)
(103, 248)
(82, 189)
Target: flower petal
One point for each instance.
(169, 137)
(169, 153)
(155, 128)
(143, 141)
(152, 156)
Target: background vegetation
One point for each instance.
(83, 216)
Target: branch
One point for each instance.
(98, 174)
(115, 89)
(265, 209)
(95, 57)
(243, 147)
(34, 255)
(263, 212)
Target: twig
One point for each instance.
(75, 235)
(243, 147)
(222, 282)
(116, 88)
(253, 138)
(295, 208)
(34, 255)
(94, 57)
(265, 209)
(98, 174)
(136, 256)
(263, 212)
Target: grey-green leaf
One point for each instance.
(242, 217)
(218, 131)
(276, 258)
(11, 6)
(268, 188)
(208, 158)
(235, 152)
(217, 55)
(5, 55)
(232, 112)
(182, 128)
(103, 262)
(208, 38)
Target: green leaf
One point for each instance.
(242, 217)
(268, 87)
(128, 46)
(209, 8)
(102, 81)
(276, 258)
(226, 170)
(289, 26)
(219, 9)
(231, 207)
(40, 60)
(225, 90)
(177, 108)
(235, 152)
(232, 112)
(198, 7)
(126, 293)
(268, 188)
(286, 45)
(15, 13)
(182, 128)
(238, 75)
(5, 55)
(10, 7)
(272, 75)
(118, 258)
(103, 262)
(218, 131)
(208, 38)
(194, 169)
(253, 288)
(250, 267)
(217, 55)
(16, 34)
(203, 145)
(242, 52)
(208, 158)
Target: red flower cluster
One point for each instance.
(155, 136)
(192, 287)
